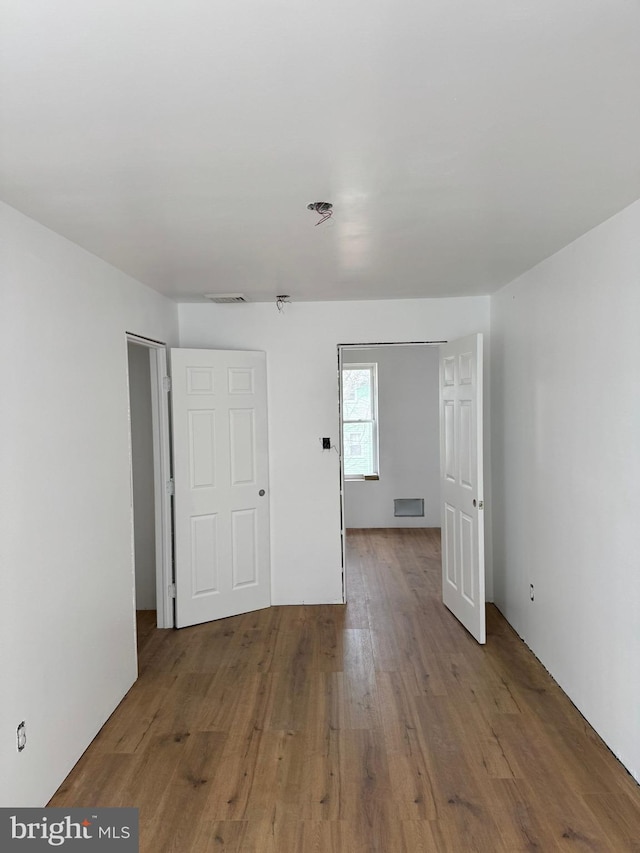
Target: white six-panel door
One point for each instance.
(220, 469)
(461, 476)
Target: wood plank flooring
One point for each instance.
(379, 726)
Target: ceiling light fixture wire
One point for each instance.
(324, 208)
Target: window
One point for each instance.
(359, 420)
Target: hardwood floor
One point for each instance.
(379, 726)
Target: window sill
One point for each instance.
(361, 478)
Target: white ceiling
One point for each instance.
(460, 141)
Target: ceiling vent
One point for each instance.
(225, 298)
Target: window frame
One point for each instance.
(372, 368)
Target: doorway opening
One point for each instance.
(390, 437)
(150, 471)
(461, 478)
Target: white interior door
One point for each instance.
(220, 470)
(462, 499)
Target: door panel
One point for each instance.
(204, 554)
(202, 431)
(243, 450)
(244, 536)
(462, 482)
(221, 484)
(449, 561)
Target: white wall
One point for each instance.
(302, 367)
(566, 485)
(67, 650)
(409, 438)
(143, 475)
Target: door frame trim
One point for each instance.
(162, 476)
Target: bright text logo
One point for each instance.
(27, 830)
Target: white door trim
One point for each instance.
(162, 477)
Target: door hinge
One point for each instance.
(166, 383)
(171, 487)
(172, 590)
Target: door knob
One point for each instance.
(261, 493)
(475, 502)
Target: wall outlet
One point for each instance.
(22, 736)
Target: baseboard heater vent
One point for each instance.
(408, 507)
